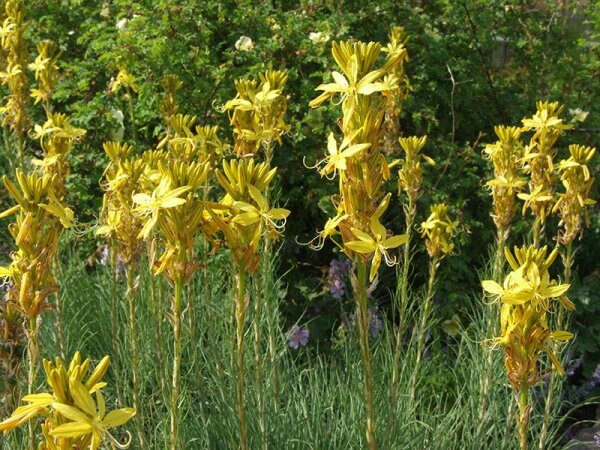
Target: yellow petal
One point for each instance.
(492, 287)
(361, 247)
(395, 241)
(118, 417)
(72, 430)
(71, 413)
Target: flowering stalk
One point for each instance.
(433, 265)
(365, 91)
(537, 162)
(526, 299)
(410, 180)
(438, 231)
(571, 207)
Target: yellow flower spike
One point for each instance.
(126, 80)
(438, 231)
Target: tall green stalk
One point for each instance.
(411, 212)
(361, 313)
(240, 318)
(158, 316)
(523, 419)
(131, 294)
(492, 317)
(259, 372)
(433, 264)
(59, 314)
(33, 354)
(176, 310)
(552, 383)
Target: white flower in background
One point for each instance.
(121, 23)
(318, 37)
(578, 115)
(244, 44)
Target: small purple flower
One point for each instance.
(375, 321)
(573, 364)
(103, 260)
(597, 439)
(338, 271)
(298, 336)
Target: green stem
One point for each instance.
(240, 316)
(114, 312)
(422, 327)
(33, 356)
(552, 384)
(158, 316)
(411, 212)
(59, 314)
(523, 420)
(537, 232)
(176, 310)
(131, 293)
(258, 362)
(492, 314)
(131, 115)
(361, 310)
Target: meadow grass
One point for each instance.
(311, 399)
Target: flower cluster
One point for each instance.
(526, 298)
(538, 155)
(572, 204)
(72, 418)
(257, 114)
(438, 231)
(505, 154)
(14, 112)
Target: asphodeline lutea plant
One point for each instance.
(122, 227)
(257, 114)
(126, 81)
(437, 231)
(547, 127)
(364, 91)
(241, 220)
(176, 208)
(56, 137)
(170, 84)
(14, 74)
(40, 219)
(528, 296)
(72, 417)
(410, 180)
(506, 156)
(572, 204)
(45, 68)
(397, 40)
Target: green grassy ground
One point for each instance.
(312, 399)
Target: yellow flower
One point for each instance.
(87, 418)
(162, 197)
(378, 243)
(337, 156)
